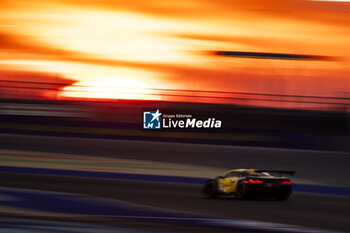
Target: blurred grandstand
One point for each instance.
(249, 119)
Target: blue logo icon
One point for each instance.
(152, 120)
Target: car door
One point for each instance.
(228, 183)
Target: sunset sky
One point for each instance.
(139, 45)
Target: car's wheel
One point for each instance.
(210, 189)
(241, 191)
(283, 196)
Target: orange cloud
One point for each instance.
(164, 43)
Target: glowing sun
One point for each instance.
(110, 88)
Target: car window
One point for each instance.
(261, 174)
(231, 174)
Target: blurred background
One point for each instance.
(76, 75)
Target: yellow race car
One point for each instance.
(247, 183)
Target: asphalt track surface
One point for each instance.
(304, 210)
(322, 212)
(321, 167)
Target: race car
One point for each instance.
(248, 183)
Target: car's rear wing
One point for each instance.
(277, 171)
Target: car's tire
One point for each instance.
(283, 196)
(241, 191)
(210, 189)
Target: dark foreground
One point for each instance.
(320, 212)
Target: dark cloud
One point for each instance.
(278, 56)
(22, 75)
